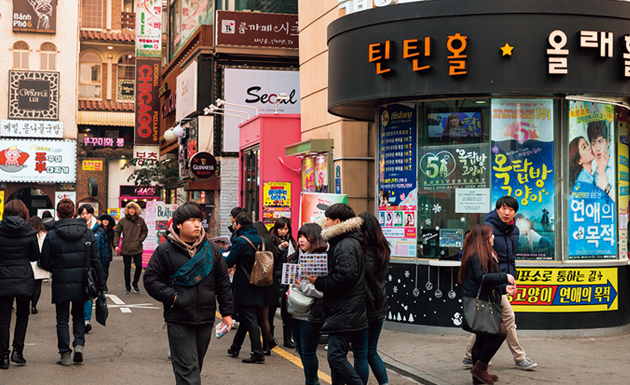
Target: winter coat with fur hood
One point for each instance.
(18, 241)
(344, 286)
(133, 230)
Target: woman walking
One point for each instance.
(305, 326)
(18, 242)
(106, 229)
(480, 267)
(39, 274)
(377, 255)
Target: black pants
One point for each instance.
(137, 260)
(38, 292)
(248, 324)
(486, 345)
(188, 344)
(341, 370)
(63, 329)
(21, 323)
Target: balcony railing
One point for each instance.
(128, 21)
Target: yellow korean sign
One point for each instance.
(566, 290)
(277, 194)
(92, 165)
(1, 203)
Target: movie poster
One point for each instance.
(523, 167)
(397, 177)
(592, 164)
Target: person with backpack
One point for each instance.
(246, 295)
(189, 293)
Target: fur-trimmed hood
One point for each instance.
(344, 228)
(135, 206)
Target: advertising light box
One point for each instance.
(39, 161)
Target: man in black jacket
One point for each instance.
(344, 292)
(189, 305)
(65, 254)
(506, 235)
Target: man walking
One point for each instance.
(189, 294)
(506, 235)
(343, 288)
(65, 254)
(134, 231)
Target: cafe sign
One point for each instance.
(33, 95)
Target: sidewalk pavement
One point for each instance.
(436, 359)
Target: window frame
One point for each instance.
(98, 83)
(47, 55)
(23, 53)
(84, 4)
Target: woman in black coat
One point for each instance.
(480, 266)
(18, 242)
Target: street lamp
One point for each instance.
(221, 102)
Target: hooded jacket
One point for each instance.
(242, 254)
(344, 286)
(505, 241)
(134, 231)
(194, 304)
(18, 241)
(65, 255)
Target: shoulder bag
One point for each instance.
(91, 286)
(481, 316)
(299, 301)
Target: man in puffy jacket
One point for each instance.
(65, 254)
(506, 235)
(344, 291)
(189, 304)
(134, 231)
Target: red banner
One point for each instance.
(147, 101)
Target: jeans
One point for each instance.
(360, 352)
(87, 310)
(137, 260)
(21, 323)
(78, 325)
(188, 344)
(306, 338)
(248, 324)
(376, 363)
(341, 370)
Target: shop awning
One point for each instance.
(106, 118)
(312, 146)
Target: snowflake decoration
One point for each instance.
(462, 219)
(437, 228)
(407, 273)
(395, 289)
(437, 208)
(428, 221)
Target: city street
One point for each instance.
(133, 349)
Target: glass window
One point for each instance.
(48, 57)
(90, 76)
(20, 55)
(92, 14)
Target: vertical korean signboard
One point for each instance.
(397, 177)
(592, 163)
(149, 28)
(623, 120)
(522, 167)
(147, 102)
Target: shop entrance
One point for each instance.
(250, 160)
(33, 198)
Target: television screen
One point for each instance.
(454, 125)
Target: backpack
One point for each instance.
(262, 271)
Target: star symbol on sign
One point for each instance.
(507, 50)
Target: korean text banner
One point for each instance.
(566, 290)
(277, 194)
(522, 167)
(453, 167)
(148, 28)
(39, 161)
(592, 162)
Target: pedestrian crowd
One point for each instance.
(346, 305)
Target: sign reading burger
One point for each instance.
(203, 165)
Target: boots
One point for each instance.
(17, 357)
(4, 361)
(477, 382)
(480, 372)
(288, 342)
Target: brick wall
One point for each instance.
(228, 197)
(101, 179)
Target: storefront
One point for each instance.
(477, 100)
(139, 194)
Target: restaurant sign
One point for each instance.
(39, 161)
(33, 95)
(147, 101)
(31, 129)
(257, 29)
(38, 16)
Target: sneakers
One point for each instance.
(88, 326)
(64, 359)
(136, 289)
(127, 290)
(467, 363)
(17, 357)
(526, 364)
(78, 354)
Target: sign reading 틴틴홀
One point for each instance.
(33, 95)
(522, 167)
(40, 161)
(31, 129)
(566, 290)
(148, 28)
(147, 101)
(38, 16)
(254, 29)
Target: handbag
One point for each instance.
(481, 316)
(91, 285)
(101, 309)
(298, 301)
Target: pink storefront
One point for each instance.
(270, 182)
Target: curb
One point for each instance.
(408, 371)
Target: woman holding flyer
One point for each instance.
(305, 326)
